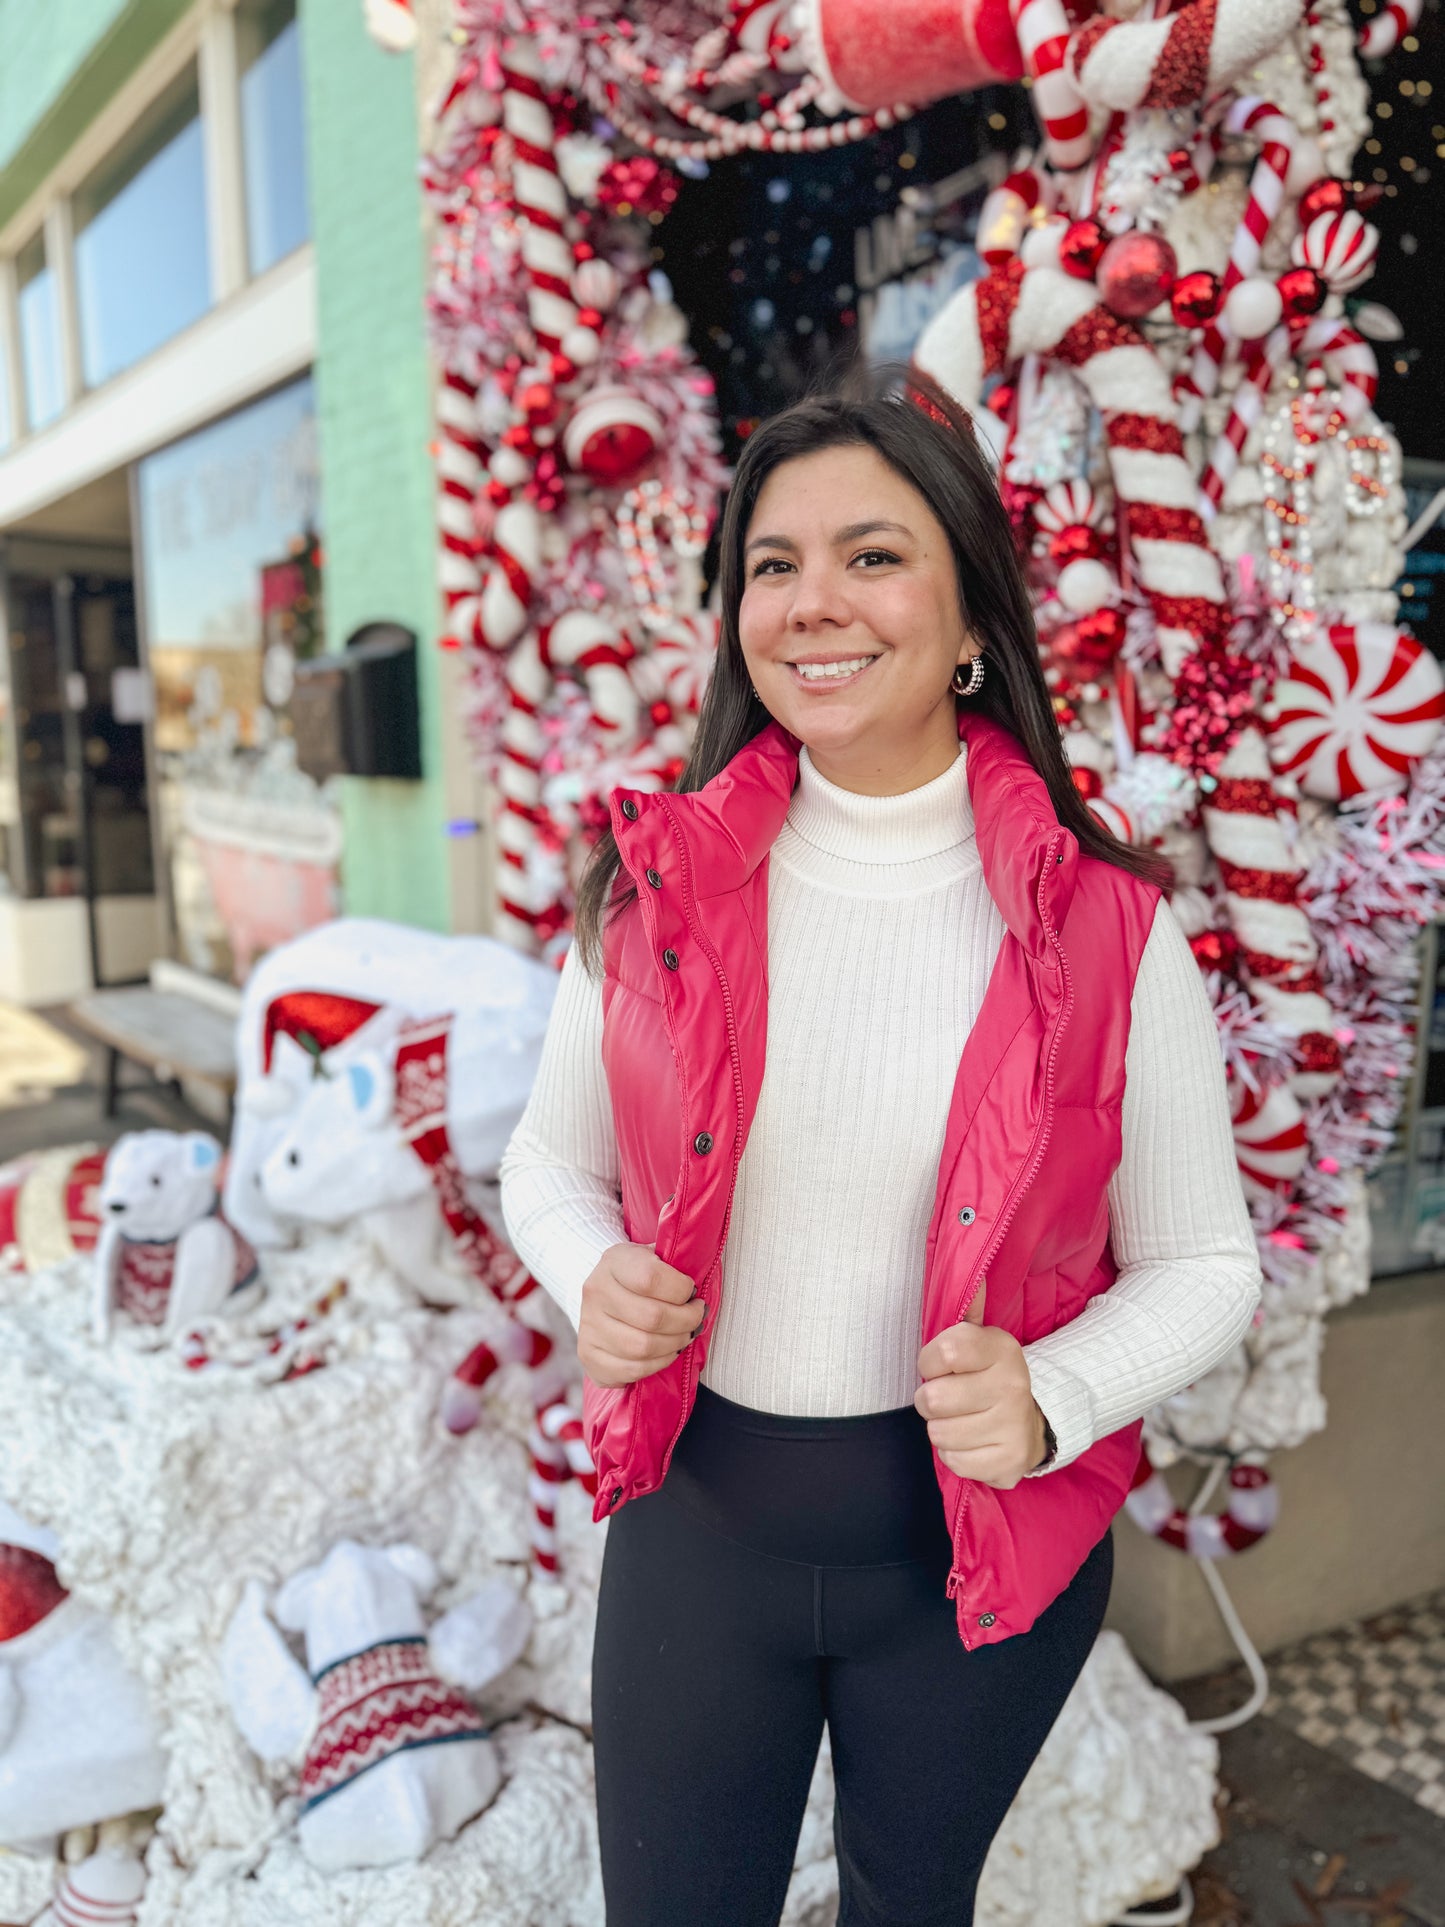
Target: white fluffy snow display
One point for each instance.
(178, 1492)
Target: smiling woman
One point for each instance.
(887, 1175)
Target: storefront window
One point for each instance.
(39, 335)
(272, 130)
(230, 551)
(142, 272)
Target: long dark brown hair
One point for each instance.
(928, 439)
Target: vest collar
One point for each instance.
(728, 826)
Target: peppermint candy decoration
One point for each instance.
(1360, 706)
(1253, 1510)
(1270, 1142)
(1067, 505)
(1340, 247)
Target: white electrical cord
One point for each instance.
(1179, 1917)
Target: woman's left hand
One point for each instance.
(977, 1398)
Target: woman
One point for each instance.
(992, 1122)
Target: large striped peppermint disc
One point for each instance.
(1269, 1136)
(1360, 706)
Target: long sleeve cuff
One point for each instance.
(560, 1222)
(1065, 1403)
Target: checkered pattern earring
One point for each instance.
(975, 678)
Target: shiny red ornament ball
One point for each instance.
(1088, 782)
(498, 494)
(1196, 298)
(1002, 399)
(519, 436)
(616, 454)
(1327, 196)
(1302, 292)
(660, 714)
(1082, 244)
(1136, 272)
(1075, 544)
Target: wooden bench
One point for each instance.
(181, 1025)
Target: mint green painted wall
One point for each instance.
(374, 399)
(60, 62)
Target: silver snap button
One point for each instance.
(629, 809)
(669, 957)
(702, 1143)
(654, 879)
(986, 1619)
(967, 1215)
(1060, 857)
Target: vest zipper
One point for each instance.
(1036, 1156)
(735, 1059)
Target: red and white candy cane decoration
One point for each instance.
(540, 196)
(1347, 362)
(1177, 59)
(1043, 32)
(1276, 134)
(1343, 357)
(554, 1439)
(1067, 505)
(1271, 1144)
(1279, 958)
(516, 555)
(1358, 709)
(459, 472)
(592, 647)
(994, 323)
(638, 515)
(1003, 219)
(1384, 33)
(1253, 1511)
(1340, 247)
(686, 650)
(519, 779)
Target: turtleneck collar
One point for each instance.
(892, 844)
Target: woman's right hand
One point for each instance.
(638, 1314)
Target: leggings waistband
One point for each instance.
(823, 1492)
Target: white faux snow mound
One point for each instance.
(169, 1488)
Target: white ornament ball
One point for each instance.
(391, 24)
(596, 284)
(1085, 585)
(1252, 308)
(1040, 247)
(581, 346)
(509, 467)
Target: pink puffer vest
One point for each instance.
(1033, 1132)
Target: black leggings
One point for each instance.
(792, 1572)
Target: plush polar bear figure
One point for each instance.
(396, 1757)
(165, 1255)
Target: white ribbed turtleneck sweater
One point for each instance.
(881, 938)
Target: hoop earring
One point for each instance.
(975, 678)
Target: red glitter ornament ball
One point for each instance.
(660, 714)
(1092, 642)
(1196, 298)
(1302, 292)
(538, 402)
(1002, 399)
(1136, 273)
(1087, 782)
(1082, 244)
(1327, 196)
(1076, 543)
(637, 185)
(1215, 949)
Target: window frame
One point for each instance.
(206, 38)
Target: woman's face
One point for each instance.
(850, 620)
